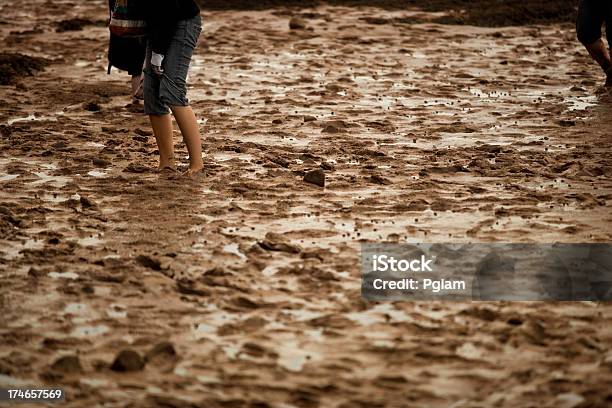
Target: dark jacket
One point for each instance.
(126, 54)
(162, 16)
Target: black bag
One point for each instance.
(124, 53)
(128, 19)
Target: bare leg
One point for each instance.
(191, 135)
(601, 54)
(137, 83)
(162, 129)
(609, 74)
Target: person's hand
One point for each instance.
(156, 63)
(137, 87)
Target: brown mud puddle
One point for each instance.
(425, 133)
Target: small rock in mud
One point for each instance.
(127, 360)
(567, 122)
(308, 118)
(92, 106)
(244, 302)
(87, 202)
(297, 23)
(378, 179)
(149, 262)
(279, 160)
(334, 126)
(191, 287)
(328, 166)
(276, 242)
(136, 168)
(5, 131)
(13, 65)
(143, 132)
(67, 365)
(98, 162)
(162, 350)
(36, 273)
(316, 177)
(331, 129)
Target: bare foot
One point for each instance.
(168, 173)
(166, 166)
(195, 173)
(167, 169)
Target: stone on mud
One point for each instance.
(162, 350)
(276, 242)
(128, 360)
(67, 365)
(378, 179)
(149, 262)
(98, 162)
(297, 23)
(191, 287)
(92, 106)
(316, 177)
(87, 202)
(136, 168)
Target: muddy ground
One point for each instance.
(242, 289)
(487, 13)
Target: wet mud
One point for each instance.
(487, 13)
(15, 65)
(131, 288)
(77, 24)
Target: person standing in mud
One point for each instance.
(592, 14)
(127, 54)
(174, 27)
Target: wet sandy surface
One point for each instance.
(425, 132)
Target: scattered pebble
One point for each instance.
(92, 106)
(297, 23)
(128, 360)
(67, 365)
(316, 177)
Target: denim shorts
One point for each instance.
(592, 14)
(170, 89)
